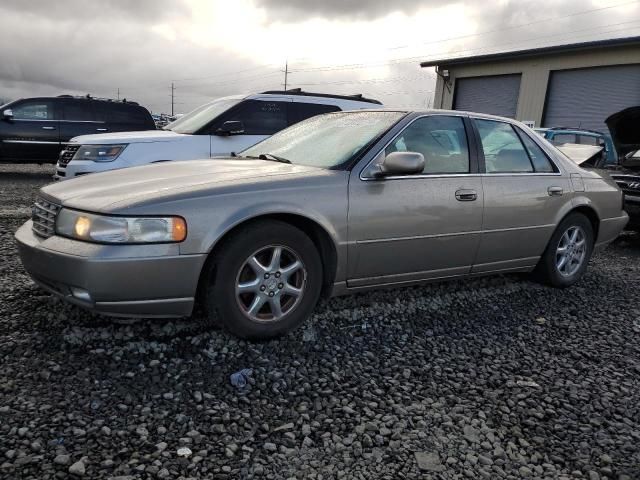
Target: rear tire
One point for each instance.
(264, 281)
(567, 255)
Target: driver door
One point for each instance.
(32, 135)
(418, 227)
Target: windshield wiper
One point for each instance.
(273, 158)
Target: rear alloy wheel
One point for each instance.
(571, 251)
(566, 258)
(264, 281)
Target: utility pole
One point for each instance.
(118, 93)
(173, 88)
(286, 73)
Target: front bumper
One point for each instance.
(116, 280)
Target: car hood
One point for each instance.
(159, 182)
(624, 127)
(130, 137)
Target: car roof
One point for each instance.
(85, 98)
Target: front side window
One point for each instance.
(441, 140)
(33, 110)
(327, 141)
(503, 150)
(261, 118)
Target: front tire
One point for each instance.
(567, 256)
(264, 281)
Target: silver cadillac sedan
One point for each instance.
(339, 203)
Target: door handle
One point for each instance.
(464, 195)
(555, 191)
(101, 129)
(48, 128)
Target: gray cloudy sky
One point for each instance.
(211, 48)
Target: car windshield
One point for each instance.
(326, 141)
(201, 116)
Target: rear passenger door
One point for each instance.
(523, 192)
(78, 118)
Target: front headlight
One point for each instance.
(99, 153)
(109, 229)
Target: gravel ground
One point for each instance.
(490, 378)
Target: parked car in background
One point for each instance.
(564, 135)
(226, 125)
(162, 120)
(35, 130)
(338, 203)
(625, 131)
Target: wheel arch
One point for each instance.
(318, 234)
(591, 214)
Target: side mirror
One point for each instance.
(7, 114)
(401, 163)
(232, 127)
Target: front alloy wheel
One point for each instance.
(264, 280)
(270, 283)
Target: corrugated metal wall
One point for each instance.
(585, 97)
(495, 95)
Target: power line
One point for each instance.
(355, 66)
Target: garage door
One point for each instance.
(585, 97)
(495, 95)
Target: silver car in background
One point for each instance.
(336, 204)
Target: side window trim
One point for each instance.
(483, 168)
(520, 134)
(474, 163)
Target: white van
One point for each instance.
(226, 125)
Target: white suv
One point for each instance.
(226, 125)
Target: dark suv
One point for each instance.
(34, 130)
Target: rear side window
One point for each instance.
(541, 162)
(121, 113)
(503, 150)
(79, 111)
(34, 110)
(261, 118)
(302, 111)
(589, 140)
(440, 139)
(562, 138)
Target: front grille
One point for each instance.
(629, 184)
(67, 154)
(43, 214)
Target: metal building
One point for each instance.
(576, 85)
